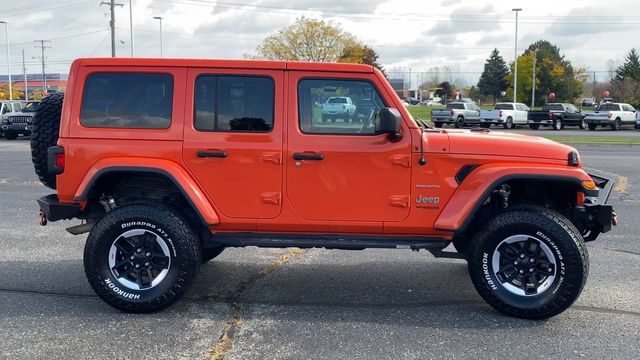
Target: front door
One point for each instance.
(233, 139)
(338, 166)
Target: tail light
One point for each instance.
(500, 113)
(550, 115)
(55, 160)
(452, 113)
(610, 115)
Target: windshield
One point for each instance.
(30, 107)
(337, 101)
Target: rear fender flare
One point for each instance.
(171, 170)
(478, 185)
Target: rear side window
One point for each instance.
(234, 103)
(609, 107)
(555, 107)
(456, 106)
(127, 100)
(503, 107)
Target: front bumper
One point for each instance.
(20, 128)
(596, 215)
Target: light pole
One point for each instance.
(533, 82)
(6, 24)
(515, 67)
(133, 52)
(159, 18)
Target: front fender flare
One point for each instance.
(173, 171)
(476, 187)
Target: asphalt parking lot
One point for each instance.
(291, 304)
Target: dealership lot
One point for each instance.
(312, 303)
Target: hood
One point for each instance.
(20, 113)
(506, 144)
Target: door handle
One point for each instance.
(215, 154)
(308, 156)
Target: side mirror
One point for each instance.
(390, 121)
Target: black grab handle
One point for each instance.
(306, 156)
(216, 154)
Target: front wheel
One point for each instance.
(141, 258)
(529, 262)
(557, 124)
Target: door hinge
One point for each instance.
(274, 157)
(399, 201)
(402, 160)
(271, 198)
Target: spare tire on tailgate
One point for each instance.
(46, 127)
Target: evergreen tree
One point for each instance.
(630, 69)
(493, 79)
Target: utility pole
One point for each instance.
(112, 24)
(24, 73)
(159, 18)
(533, 82)
(515, 66)
(42, 47)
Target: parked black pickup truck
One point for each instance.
(556, 115)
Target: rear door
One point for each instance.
(233, 139)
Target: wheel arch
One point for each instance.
(463, 207)
(109, 176)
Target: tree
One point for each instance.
(358, 53)
(444, 90)
(555, 73)
(525, 77)
(4, 93)
(307, 40)
(493, 79)
(627, 79)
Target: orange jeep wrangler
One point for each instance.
(167, 162)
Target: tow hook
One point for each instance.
(614, 218)
(43, 218)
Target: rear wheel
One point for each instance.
(592, 127)
(141, 258)
(509, 123)
(617, 124)
(459, 122)
(46, 126)
(529, 262)
(534, 126)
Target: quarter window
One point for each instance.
(234, 103)
(127, 100)
(339, 107)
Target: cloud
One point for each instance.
(580, 22)
(446, 3)
(458, 27)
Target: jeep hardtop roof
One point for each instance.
(243, 64)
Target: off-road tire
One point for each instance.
(46, 128)
(182, 245)
(209, 253)
(547, 227)
(592, 127)
(459, 124)
(11, 136)
(534, 126)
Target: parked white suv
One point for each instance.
(506, 114)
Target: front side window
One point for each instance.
(127, 100)
(234, 103)
(342, 107)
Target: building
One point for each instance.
(55, 82)
(399, 85)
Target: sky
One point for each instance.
(411, 37)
